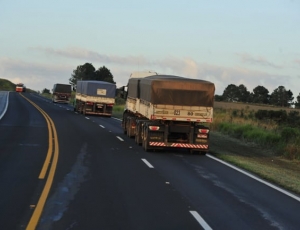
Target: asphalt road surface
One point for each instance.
(103, 180)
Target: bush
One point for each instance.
(279, 116)
(261, 114)
(262, 137)
(120, 101)
(289, 134)
(250, 133)
(292, 150)
(234, 113)
(225, 127)
(240, 130)
(293, 118)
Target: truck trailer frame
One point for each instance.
(160, 119)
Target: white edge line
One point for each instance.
(5, 106)
(102, 126)
(256, 178)
(147, 163)
(120, 138)
(200, 220)
(117, 118)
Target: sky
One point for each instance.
(250, 42)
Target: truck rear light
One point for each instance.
(154, 128)
(89, 103)
(201, 135)
(110, 105)
(203, 130)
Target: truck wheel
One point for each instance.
(137, 138)
(124, 123)
(128, 127)
(145, 145)
(145, 140)
(137, 134)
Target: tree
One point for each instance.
(82, 72)
(260, 95)
(218, 98)
(243, 93)
(88, 72)
(104, 74)
(281, 97)
(297, 103)
(46, 91)
(235, 93)
(230, 93)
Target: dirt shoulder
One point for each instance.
(256, 159)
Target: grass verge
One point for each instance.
(276, 170)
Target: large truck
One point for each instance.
(20, 87)
(61, 93)
(165, 111)
(95, 97)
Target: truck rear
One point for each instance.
(164, 111)
(20, 87)
(61, 93)
(95, 97)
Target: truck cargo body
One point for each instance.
(95, 97)
(61, 93)
(20, 87)
(169, 111)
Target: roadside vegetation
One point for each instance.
(6, 85)
(275, 131)
(118, 108)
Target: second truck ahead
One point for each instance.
(95, 97)
(164, 111)
(61, 93)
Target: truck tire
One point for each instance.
(128, 124)
(84, 110)
(145, 145)
(124, 123)
(137, 136)
(139, 131)
(145, 139)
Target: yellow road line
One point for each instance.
(52, 138)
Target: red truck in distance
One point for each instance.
(20, 87)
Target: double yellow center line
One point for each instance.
(53, 152)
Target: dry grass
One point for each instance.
(283, 170)
(285, 174)
(247, 106)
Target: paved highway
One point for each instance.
(103, 180)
